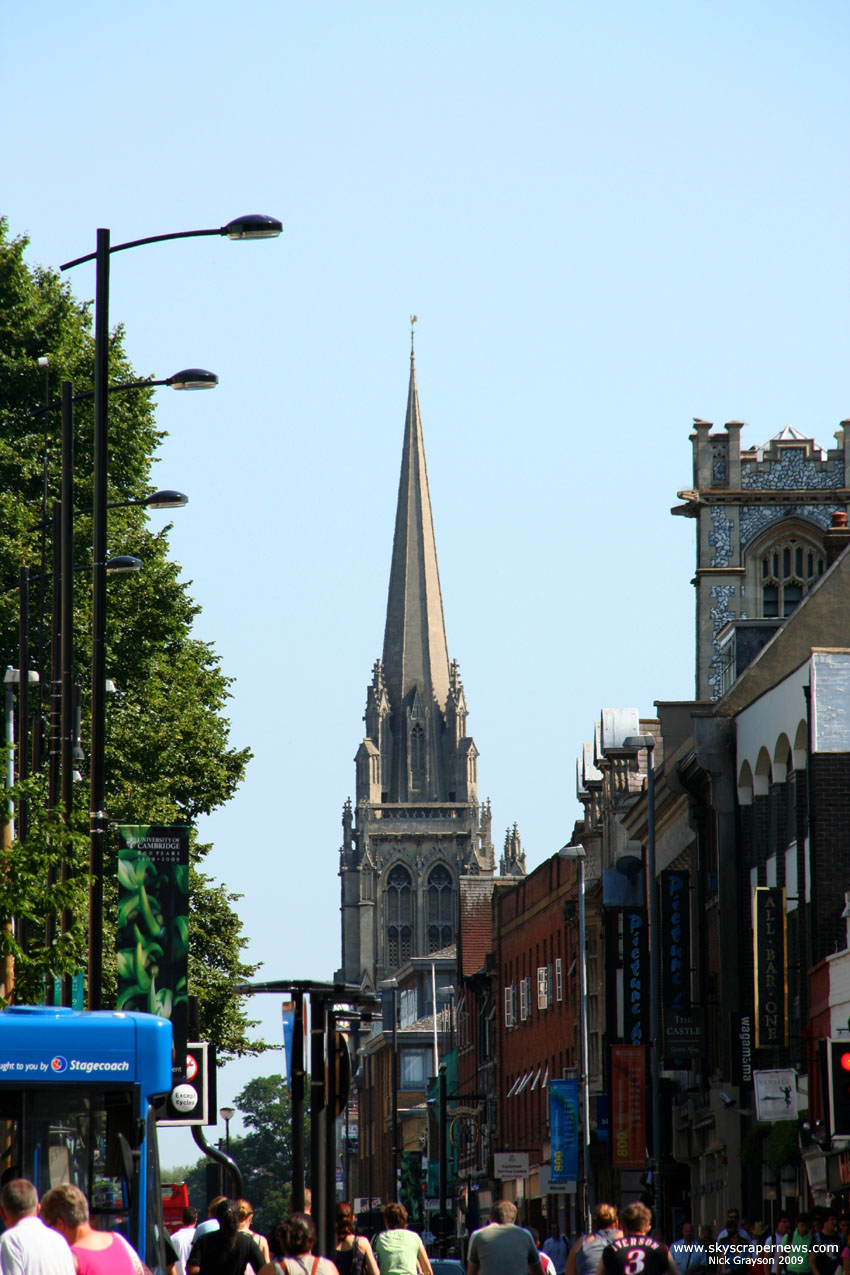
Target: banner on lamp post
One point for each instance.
(563, 1124)
(153, 927)
(288, 1014)
(628, 1106)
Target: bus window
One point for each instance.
(53, 1136)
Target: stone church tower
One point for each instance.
(417, 826)
(762, 514)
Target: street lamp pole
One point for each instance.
(648, 742)
(578, 853)
(227, 1114)
(250, 227)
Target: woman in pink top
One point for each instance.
(66, 1209)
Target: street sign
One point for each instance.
(510, 1164)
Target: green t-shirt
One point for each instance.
(396, 1251)
(796, 1254)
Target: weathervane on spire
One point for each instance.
(412, 321)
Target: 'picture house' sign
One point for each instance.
(770, 955)
(675, 942)
(635, 977)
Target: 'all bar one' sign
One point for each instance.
(770, 952)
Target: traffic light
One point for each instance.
(342, 1069)
(839, 1087)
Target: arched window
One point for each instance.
(417, 751)
(399, 913)
(440, 906)
(787, 570)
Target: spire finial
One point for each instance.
(412, 321)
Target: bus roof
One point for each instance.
(52, 1045)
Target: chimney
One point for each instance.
(837, 538)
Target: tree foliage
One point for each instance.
(264, 1154)
(169, 756)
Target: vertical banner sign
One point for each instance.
(563, 1123)
(628, 1107)
(741, 1035)
(770, 951)
(635, 976)
(288, 1011)
(153, 926)
(675, 941)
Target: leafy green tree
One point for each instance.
(263, 1154)
(169, 757)
(266, 1148)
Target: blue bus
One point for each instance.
(76, 1095)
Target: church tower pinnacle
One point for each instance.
(416, 826)
(416, 658)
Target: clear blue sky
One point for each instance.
(610, 217)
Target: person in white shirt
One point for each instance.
(28, 1247)
(182, 1239)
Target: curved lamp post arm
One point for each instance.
(254, 226)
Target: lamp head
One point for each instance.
(192, 378)
(253, 226)
(124, 564)
(166, 499)
(573, 852)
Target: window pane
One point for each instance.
(792, 595)
(770, 600)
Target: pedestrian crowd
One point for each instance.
(55, 1237)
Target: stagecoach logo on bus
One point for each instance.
(58, 1065)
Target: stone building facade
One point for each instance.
(761, 516)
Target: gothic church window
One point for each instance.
(399, 910)
(440, 909)
(787, 570)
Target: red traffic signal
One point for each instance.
(839, 1087)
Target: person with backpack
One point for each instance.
(296, 1237)
(227, 1250)
(353, 1253)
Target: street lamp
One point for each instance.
(578, 853)
(635, 743)
(227, 1114)
(252, 226)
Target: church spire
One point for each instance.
(415, 651)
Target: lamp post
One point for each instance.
(635, 743)
(253, 226)
(63, 592)
(227, 1114)
(391, 985)
(579, 854)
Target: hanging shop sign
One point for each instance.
(771, 967)
(675, 941)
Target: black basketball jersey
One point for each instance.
(636, 1255)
